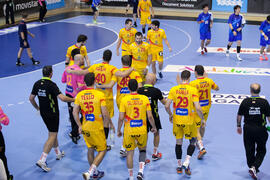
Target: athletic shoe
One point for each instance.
(10, 177)
(261, 58)
(156, 157)
(187, 170)
(60, 156)
(147, 161)
(123, 153)
(201, 154)
(94, 22)
(43, 166)
(265, 57)
(36, 62)
(205, 50)
(179, 170)
(86, 175)
(252, 172)
(140, 176)
(73, 138)
(98, 175)
(227, 53)
(160, 75)
(238, 57)
(202, 52)
(109, 147)
(19, 63)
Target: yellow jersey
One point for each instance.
(135, 107)
(155, 39)
(122, 84)
(90, 100)
(204, 86)
(104, 73)
(144, 6)
(183, 97)
(127, 37)
(139, 54)
(83, 51)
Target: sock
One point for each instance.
(142, 156)
(43, 157)
(261, 54)
(200, 144)
(228, 47)
(178, 151)
(155, 150)
(106, 130)
(135, 23)
(33, 60)
(187, 160)
(57, 150)
(179, 164)
(18, 59)
(238, 49)
(190, 149)
(141, 167)
(92, 169)
(143, 30)
(130, 173)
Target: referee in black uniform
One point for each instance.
(134, 4)
(153, 94)
(48, 92)
(255, 110)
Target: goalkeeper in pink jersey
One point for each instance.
(74, 84)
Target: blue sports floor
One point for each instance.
(26, 133)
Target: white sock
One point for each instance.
(130, 173)
(179, 163)
(200, 144)
(92, 169)
(123, 149)
(238, 54)
(141, 167)
(57, 150)
(155, 150)
(187, 160)
(43, 157)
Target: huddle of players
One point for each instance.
(236, 24)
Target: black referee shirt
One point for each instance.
(153, 94)
(47, 92)
(255, 110)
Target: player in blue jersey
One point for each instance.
(95, 7)
(265, 38)
(236, 23)
(205, 19)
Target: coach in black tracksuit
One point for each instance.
(255, 110)
(9, 11)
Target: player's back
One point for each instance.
(90, 101)
(135, 107)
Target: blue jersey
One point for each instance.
(95, 3)
(22, 28)
(207, 18)
(265, 27)
(237, 21)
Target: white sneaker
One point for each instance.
(238, 57)
(227, 53)
(43, 166)
(60, 156)
(86, 175)
(252, 172)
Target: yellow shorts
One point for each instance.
(181, 130)
(145, 19)
(130, 142)
(118, 99)
(198, 120)
(110, 107)
(124, 52)
(95, 139)
(157, 56)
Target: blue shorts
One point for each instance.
(22, 44)
(205, 35)
(263, 42)
(233, 38)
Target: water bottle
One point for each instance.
(112, 137)
(268, 128)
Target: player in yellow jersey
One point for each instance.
(127, 36)
(204, 86)
(155, 37)
(133, 110)
(92, 104)
(81, 40)
(141, 55)
(145, 11)
(184, 98)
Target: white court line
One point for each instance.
(18, 75)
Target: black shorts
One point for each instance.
(51, 121)
(157, 123)
(134, 5)
(22, 44)
(94, 8)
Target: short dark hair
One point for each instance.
(24, 15)
(268, 18)
(199, 69)
(133, 85)
(205, 5)
(126, 60)
(107, 55)
(81, 38)
(128, 20)
(156, 23)
(185, 75)
(255, 90)
(138, 34)
(46, 71)
(74, 52)
(236, 7)
(89, 79)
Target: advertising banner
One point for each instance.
(227, 5)
(54, 4)
(259, 6)
(28, 6)
(183, 4)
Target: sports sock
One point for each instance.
(57, 150)
(141, 167)
(155, 150)
(190, 149)
(200, 144)
(130, 173)
(43, 157)
(18, 59)
(179, 163)
(228, 47)
(92, 169)
(238, 49)
(143, 30)
(178, 151)
(106, 130)
(187, 160)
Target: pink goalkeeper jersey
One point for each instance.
(75, 83)
(3, 118)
